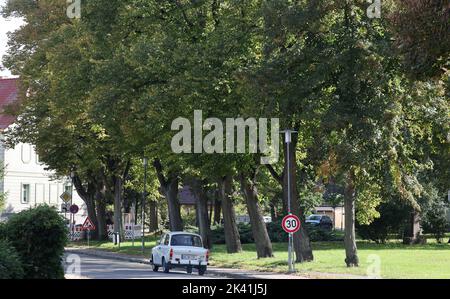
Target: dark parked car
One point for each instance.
(321, 221)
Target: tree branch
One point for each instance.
(276, 176)
(79, 187)
(159, 172)
(186, 19)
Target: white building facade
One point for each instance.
(26, 183)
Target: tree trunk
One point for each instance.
(136, 210)
(302, 244)
(118, 190)
(211, 210)
(169, 188)
(232, 238)
(273, 209)
(101, 216)
(90, 204)
(202, 212)
(176, 223)
(88, 196)
(217, 209)
(412, 233)
(351, 254)
(259, 229)
(153, 216)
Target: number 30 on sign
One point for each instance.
(291, 224)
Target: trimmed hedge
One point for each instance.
(10, 264)
(275, 231)
(39, 236)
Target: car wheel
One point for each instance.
(189, 270)
(201, 270)
(155, 267)
(165, 266)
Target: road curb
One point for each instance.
(106, 254)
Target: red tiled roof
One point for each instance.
(8, 95)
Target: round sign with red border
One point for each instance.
(73, 209)
(291, 223)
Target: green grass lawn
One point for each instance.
(431, 260)
(397, 260)
(125, 248)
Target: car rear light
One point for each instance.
(207, 255)
(171, 254)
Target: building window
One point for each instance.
(53, 194)
(68, 188)
(25, 195)
(26, 153)
(39, 193)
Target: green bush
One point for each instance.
(436, 224)
(394, 216)
(317, 234)
(3, 235)
(275, 231)
(10, 264)
(218, 234)
(39, 236)
(433, 217)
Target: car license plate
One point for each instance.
(188, 257)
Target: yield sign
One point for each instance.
(66, 196)
(88, 225)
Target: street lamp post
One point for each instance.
(287, 140)
(145, 161)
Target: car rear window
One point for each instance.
(186, 240)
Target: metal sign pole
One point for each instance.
(290, 253)
(289, 199)
(71, 226)
(287, 139)
(144, 194)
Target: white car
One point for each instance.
(180, 250)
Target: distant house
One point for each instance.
(335, 213)
(187, 199)
(25, 182)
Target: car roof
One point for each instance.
(182, 233)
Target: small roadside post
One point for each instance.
(88, 225)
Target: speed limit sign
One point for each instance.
(291, 223)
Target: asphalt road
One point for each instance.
(104, 268)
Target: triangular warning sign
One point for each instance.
(88, 225)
